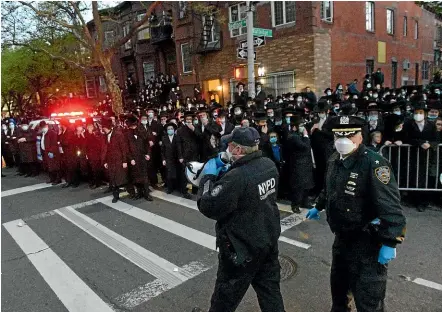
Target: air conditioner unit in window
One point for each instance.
(406, 64)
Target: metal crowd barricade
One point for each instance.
(434, 159)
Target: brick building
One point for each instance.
(316, 44)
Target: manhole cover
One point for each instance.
(288, 267)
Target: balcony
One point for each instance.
(210, 44)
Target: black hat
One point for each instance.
(346, 109)
(106, 123)
(373, 106)
(271, 105)
(296, 120)
(289, 110)
(418, 102)
(43, 123)
(189, 114)
(170, 124)
(164, 114)
(346, 125)
(328, 89)
(322, 106)
(260, 115)
(258, 83)
(240, 84)
(246, 136)
(131, 120)
(434, 103)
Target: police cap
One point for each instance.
(343, 126)
(246, 136)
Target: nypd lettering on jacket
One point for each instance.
(267, 188)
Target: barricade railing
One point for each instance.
(413, 160)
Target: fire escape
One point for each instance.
(211, 36)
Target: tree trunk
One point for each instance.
(112, 86)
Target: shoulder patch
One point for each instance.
(383, 174)
(216, 190)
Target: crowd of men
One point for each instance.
(135, 148)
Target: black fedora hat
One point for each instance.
(321, 106)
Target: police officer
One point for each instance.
(243, 202)
(362, 202)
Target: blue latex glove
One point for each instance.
(386, 254)
(219, 162)
(376, 221)
(313, 214)
(50, 155)
(210, 167)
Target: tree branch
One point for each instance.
(98, 24)
(47, 15)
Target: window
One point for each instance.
(91, 92)
(416, 30)
(211, 31)
(109, 38)
(369, 16)
(279, 83)
(182, 7)
(425, 70)
(145, 33)
(238, 12)
(148, 72)
(390, 22)
(394, 75)
(102, 83)
(327, 11)
(283, 12)
(405, 26)
(369, 67)
(128, 44)
(186, 58)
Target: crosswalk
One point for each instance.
(77, 294)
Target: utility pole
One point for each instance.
(250, 50)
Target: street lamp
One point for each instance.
(261, 71)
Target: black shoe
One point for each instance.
(66, 185)
(148, 197)
(169, 191)
(138, 196)
(56, 182)
(187, 196)
(115, 199)
(295, 209)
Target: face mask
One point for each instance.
(4, 127)
(26, 127)
(373, 118)
(280, 101)
(432, 117)
(144, 122)
(344, 146)
(299, 100)
(368, 86)
(44, 130)
(340, 88)
(11, 126)
(398, 113)
(437, 92)
(188, 124)
(301, 129)
(418, 117)
(273, 140)
(328, 93)
(150, 115)
(270, 115)
(287, 120)
(195, 122)
(204, 120)
(321, 115)
(336, 109)
(375, 96)
(170, 132)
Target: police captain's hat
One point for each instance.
(344, 126)
(246, 136)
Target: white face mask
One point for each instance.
(418, 117)
(301, 129)
(328, 92)
(25, 127)
(344, 146)
(322, 115)
(11, 126)
(397, 113)
(4, 127)
(144, 122)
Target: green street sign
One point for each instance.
(262, 32)
(237, 24)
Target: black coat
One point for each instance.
(169, 153)
(300, 164)
(28, 149)
(11, 139)
(211, 131)
(243, 202)
(187, 144)
(51, 146)
(114, 154)
(137, 151)
(228, 128)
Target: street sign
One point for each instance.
(262, 32)
(257, 42)
(237, 24)
(242, 54)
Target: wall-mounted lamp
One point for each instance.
(261, 71)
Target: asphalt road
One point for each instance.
(72, 250)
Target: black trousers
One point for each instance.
(232, 282)
(355, 268)
(95, 172)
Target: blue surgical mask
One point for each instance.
(278, 122)
(195, 122)
(372, 118)
(336, 109)
(287, 120)
(397, 113)
(273, 140)
(430, 117)
(170, 132)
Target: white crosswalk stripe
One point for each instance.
(76, 295)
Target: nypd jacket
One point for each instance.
(243, 202)
(359, 189)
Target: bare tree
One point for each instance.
(23, 21)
